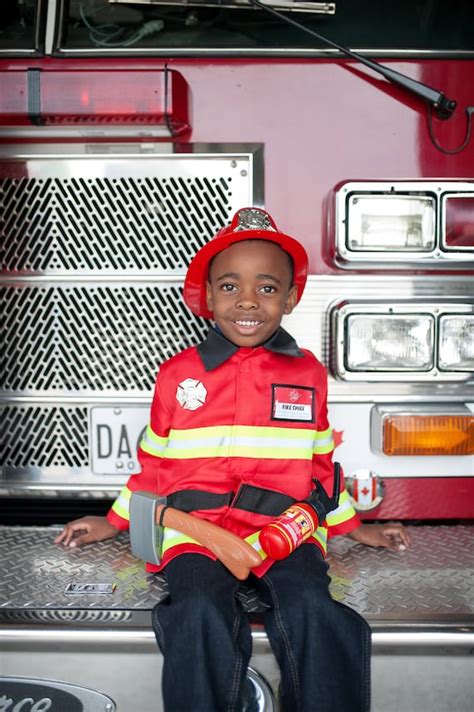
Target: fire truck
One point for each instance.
(130, 132)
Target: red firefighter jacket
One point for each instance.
(224, 416)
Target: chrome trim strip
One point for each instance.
(438, 636)
(324, 8)
(20, 53)
(238, 52)
(85, 131)
(11, 487)
(52, 11)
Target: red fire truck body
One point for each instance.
(323, 123)
(103, 159)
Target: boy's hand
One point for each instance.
(86, 530)
(391, 535)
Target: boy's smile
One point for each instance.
(249, 290)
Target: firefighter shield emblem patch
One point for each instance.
(191, 394)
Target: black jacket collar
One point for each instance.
(216, 349)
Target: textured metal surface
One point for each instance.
(92, 338)
(44, 436)
(116, 213)
(102, 224)
(432, 581)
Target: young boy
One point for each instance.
(225, 443)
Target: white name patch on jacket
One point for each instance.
(293, 403)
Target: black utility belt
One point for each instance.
(248, 497)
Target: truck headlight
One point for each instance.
(413, 340)
(456, 343)
(398, 224)
(389, 343)
(404, 224)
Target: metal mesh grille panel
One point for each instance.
(86, 338)
(100, 224)
(44, 436)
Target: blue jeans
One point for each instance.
(322, 647)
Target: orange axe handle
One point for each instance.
(235, 553)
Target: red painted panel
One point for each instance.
(322, 121)
(425, 498)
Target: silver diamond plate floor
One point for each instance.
(432, 581)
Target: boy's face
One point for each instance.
(249, 290)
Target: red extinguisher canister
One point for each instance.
(281, 537)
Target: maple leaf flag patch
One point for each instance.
(191, 394)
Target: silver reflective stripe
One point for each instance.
(343, 513)
(153, 443)
(122, 503)
(322, 442)
(236, 441)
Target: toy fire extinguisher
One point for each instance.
(282, 536)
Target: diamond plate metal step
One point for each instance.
(432, 582)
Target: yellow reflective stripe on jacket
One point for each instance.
(239, 441)
(121, 506)
(324, 442)
(171, 537)
(152, 443)
(255, 544)
(321, 536)
(344, 511)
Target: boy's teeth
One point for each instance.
(247, 323)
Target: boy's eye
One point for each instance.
(268, 289)
(228, 287)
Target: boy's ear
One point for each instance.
(209, 296)
(291, 300)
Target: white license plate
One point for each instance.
(115, 434)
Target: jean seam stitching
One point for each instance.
(286, 641)
(234, 694)
(159, 629)
(367, 649)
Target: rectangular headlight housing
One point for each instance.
(411, 340)
(457, 222)
(389, 342)
(397, 224)
(404, 224)
(456, 343)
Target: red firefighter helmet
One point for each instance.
(247, 224)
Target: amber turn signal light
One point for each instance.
(428, 434)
